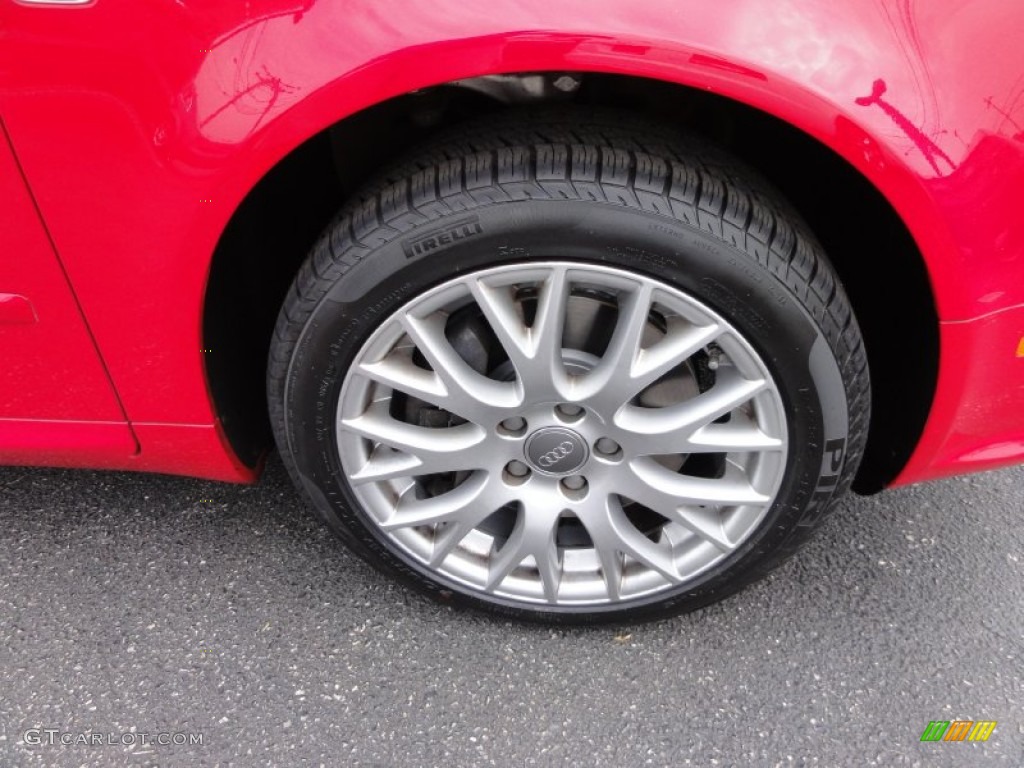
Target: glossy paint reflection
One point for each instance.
(142, 126)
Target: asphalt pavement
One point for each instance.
(138, 607)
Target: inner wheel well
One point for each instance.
(272, 231)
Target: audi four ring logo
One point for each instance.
(557, 453)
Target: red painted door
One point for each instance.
(55, 396)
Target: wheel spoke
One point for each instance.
(681, 342)
(499, 307)
(533, 535)
(656, 480)
(546, 333)
(536, 350)
(659, 431)
(387, 464)
(706, 523)
(448, 538)
(612, 533)
(399, 372)
(421, 450)
(463, 390)
(612, 378)
(610, 559)
(626, 369)
(470, 502)
(739, 434)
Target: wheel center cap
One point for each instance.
(556, 451)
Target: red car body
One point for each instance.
(133, 131)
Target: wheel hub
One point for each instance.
(556, 451)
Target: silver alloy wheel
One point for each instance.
(600, 438)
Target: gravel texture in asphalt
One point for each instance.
(139, 604)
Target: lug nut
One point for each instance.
(575, 482)
(568, 410)
(607, 446)
(514, 424)
(517, 469)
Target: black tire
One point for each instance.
(597, 188)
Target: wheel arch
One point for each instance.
(833, 148)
